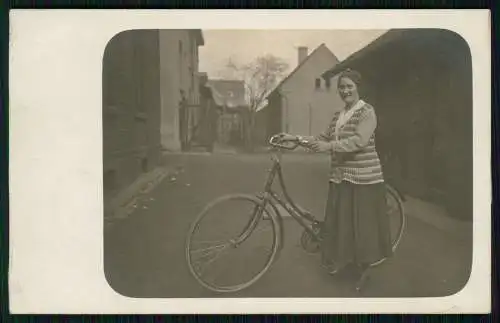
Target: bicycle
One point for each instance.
(264, 210)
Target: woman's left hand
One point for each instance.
(320, 146)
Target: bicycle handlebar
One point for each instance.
(277, 141)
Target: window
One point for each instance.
(191, 77)
(328, 83)
(317, 84)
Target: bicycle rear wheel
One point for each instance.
(240, 229)
(397, 219)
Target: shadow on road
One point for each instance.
(144, 254)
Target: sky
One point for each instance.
(242, 46)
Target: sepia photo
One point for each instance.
(261, 166)
(210, 194)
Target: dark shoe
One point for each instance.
(350, 272)
(362, 280)
(336, 271)
(359, 276)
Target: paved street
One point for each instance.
(145, 257)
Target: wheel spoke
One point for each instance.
(202, 266)
(209, 249)
(209, 241)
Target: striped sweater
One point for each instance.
(354, 157)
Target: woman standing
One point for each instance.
(356, 227)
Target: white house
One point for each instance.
(303, 103)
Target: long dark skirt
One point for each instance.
(356, 225)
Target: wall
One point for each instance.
(230, 128)
(206, 133)
(305, 109)
(423, 100)
(143, 73)
(131, 107)
(268, 120)
(179, 71)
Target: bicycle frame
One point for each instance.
(302, 217)
(269, 196)
(265, 207)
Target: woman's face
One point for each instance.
(348, 90)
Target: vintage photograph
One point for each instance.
(287, 163)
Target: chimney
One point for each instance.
(203, 78)
(303, 52)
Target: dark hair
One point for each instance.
(354, 76)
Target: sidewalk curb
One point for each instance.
(122, 204)
(429, 214)
(438, 218)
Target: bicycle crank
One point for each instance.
(309, 243)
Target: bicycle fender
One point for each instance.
(397, 192)
(280, 223)
(277, 214)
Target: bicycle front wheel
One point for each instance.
(232, 243)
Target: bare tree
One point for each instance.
(261, 76)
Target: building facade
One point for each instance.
(180, 86)
(205, 134)
(230, 98)
(131, 107)
(303, 103)
(420, 83)
(150, 97)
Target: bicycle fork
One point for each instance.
(256, 216)
(259, 209)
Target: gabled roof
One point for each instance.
(203, 77)
(230, 93)
(280, 84)
(313, 53)
(198, 34)
(437, 45)
(385, 39)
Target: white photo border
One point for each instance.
(56, 210)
